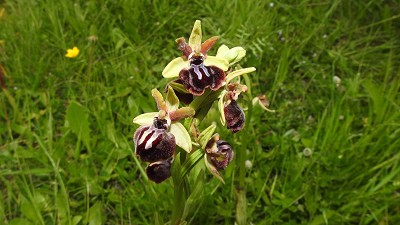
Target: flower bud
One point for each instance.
(159, 171)
(234, 116)
(219, 152)
(153, 143)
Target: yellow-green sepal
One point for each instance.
(145, 118)
(174, 67)
(221, 63)
(182, 136)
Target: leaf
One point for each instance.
(206, 135)
(178, 87)
(28, 210)
(176, 170)
(76, 219)
(212, 168)
(96, 214)
(20, 221)
(237, 73)
(174, 67)
(77, 118)
(145, 118)
(172, 100)
(182, 136)
(191, 161)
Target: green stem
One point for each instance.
(241, 201)
(179, 204)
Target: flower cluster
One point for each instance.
(199, 79)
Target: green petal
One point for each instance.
(145, 119)
(159, 100)
(217, 61)
(174, 67)
(172, 100)
(184, 112)
(212, 168)
(221, 107)
(237, 73)
(222, 50)
(182, 137)
(195, 37)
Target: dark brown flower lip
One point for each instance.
(219, 152)
(153, 143)
(159, 171)
(234, 116)
(199, 76)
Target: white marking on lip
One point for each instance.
(197, 71)
(153, 137)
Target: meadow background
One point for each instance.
(329, 155)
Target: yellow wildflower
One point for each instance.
(72, 53)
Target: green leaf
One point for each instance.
(182, 136)
(178, 87)
(195, 196)
(174, 67)
(206, 135)
(76, 219)
(78, 121)
(191, 161)
(176, 170)
(172, 100)
(20, 221)
(96, 214)
(212, 168)
(145, 118)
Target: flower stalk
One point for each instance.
(170, 141)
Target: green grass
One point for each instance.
(66, 150)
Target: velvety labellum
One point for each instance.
(159, 171)
(153, 143)
(234, 116)
(198, 76)
(222, 155)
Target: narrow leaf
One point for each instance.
(206, 135)
(78, 121)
